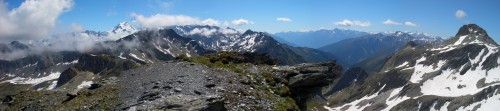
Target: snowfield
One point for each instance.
(438, 79)
(34, 81)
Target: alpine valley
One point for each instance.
(205, 67)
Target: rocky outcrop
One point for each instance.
(314, 75)
(307, 82)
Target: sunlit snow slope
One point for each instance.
(463, 73)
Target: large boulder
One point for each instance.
(308, 82)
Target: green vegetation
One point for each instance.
(286, 105)
(11, 89)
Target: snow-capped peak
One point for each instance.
(123, 27)
(471, 34)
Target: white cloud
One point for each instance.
(76, 27)
(352, 23)
(228, 31)
(161, 20)
(390, 22)
(407, 23)
(33, 19)
(460, 14)
(210, 22)
(226, 23)
(241, 22)
(202, 31)
(284, 19)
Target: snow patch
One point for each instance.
(52, 85)
(490, 104)
(403, 65)
(84, 84)
(393, 102)
(29, 65)
(135, 56)
(353, 106)
(460, 39)
(34, 81)
(121, 56)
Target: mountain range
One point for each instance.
(47, 68)
(459, 74)
(355, 50)
(201, 67)
(317, 38)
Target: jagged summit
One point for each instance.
(471, 29)
(471, 34)
(123, 27)
(248, 32)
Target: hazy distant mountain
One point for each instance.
(355, 50)
(318, 38)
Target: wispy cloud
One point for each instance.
(210, 22)
(240, 22)
(408, 23)
(76, 27)
(284, 19)
(161, 20)
(390, 22)
(460, 14)
(33, 19)
(347, 23)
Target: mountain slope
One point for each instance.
(227, 39)
(355, 50)
(460, 74)
(318, 38)
(50, 70)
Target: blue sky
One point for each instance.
(437, 17)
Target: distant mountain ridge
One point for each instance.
(228, 39)
(318, 38)
(355, 50)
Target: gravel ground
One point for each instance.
(179, 85)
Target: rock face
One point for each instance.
(459, 74)
(99, 65)
(314, 75)
(308, 82)
(353, 76)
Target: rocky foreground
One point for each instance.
(224, 81)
